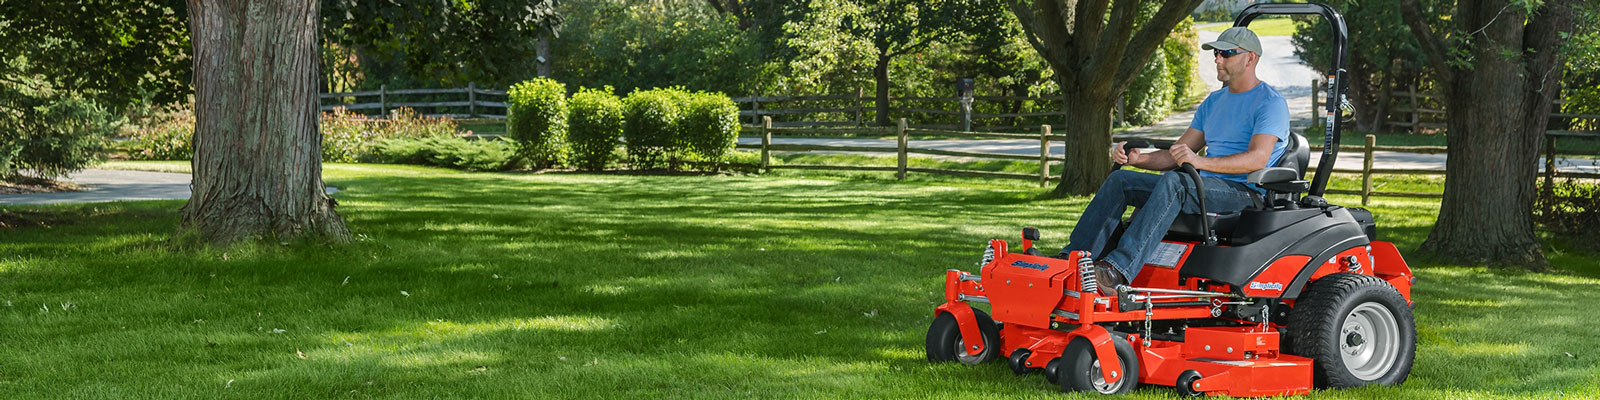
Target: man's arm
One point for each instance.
(1246, 162)
(1162, 160)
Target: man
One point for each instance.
(1244, 126)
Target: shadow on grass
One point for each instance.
(598, 285)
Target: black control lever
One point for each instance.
(1130, 147)
(1200, 199)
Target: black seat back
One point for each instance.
(1297, 154)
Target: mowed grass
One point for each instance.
(808, 285)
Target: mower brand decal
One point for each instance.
(1266, 286)
(1028, 265)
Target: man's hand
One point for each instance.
(1123, 157)
(1182, 154)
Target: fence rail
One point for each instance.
(476, 106)
(1046, 159)
(851, 110)
(1414, 109)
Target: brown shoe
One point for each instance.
(1108, 278)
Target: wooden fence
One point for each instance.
(1417, 114)
(1045, 158)
(470, 99)
(852, 110)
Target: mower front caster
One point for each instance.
(944, 341)
(1080, 368)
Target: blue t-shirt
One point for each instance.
(1230, 119)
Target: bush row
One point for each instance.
(346, 137)
(658, 127)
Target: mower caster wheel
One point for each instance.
(1051, 369)
(1186, 383)
(1019, 362)
(1081, 370)
(944, 341)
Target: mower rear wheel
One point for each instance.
(944, 341)
(1357, 329)
(1080, 370)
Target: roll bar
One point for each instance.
(1332, 125)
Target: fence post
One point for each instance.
(1416, 112)
(901, 130)
(1044, 155)
(755, 109)
(1366, 170)
(383, 101)
(472, 99)
(766, 142)
(1549, 165)
(1314, 89)
(860, 105)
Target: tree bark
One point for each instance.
(1496, 110)
(1096, 48)
(257, 161)
(541, 49)
(1088, 150)
(880, 74)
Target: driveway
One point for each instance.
(102, 185)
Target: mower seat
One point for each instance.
(1279, 181)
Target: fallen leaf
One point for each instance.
(300, 353)
(228, 385)
(403, 293)
(1572, 356)
(346, 281)
(821, 332)
(276, 330)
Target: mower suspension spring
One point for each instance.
(1086, 272)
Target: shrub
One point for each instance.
(446, 151)
(650, 122)
(52, 134)
(347, 136)
(710, 126)
(1179, 51)
(1149, 97)
(537, 118)
(1570, 207)
(595, 127)
(169, 136)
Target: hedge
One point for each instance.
(595, 130)
(537, 118)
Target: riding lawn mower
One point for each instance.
(1281, 298)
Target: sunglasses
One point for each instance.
(1229, 53)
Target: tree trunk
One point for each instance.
(257, 149)
(541, 49)
(1496, 111)
(1088, 132)
(880, 74)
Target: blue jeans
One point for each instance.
(1159, 199)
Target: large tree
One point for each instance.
(257, 151)
(115, 52)
(1096, 48)
(899, 27)
(1499, 64)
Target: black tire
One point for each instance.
(1018, 361)
(1356, 329)
(944, 339)
(1052, 369)
(1080, 371)
(1186, 381)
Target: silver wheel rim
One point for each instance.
(1369, 341)
(1098, 378)
(964, 358)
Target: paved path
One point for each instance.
(111, 185)
(1279, 68)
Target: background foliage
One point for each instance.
(595, 127)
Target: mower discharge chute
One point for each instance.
(1278, 299)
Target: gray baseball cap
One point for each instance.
(1237, 37)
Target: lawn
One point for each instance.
(813, 285)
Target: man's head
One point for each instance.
(1236, 53)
